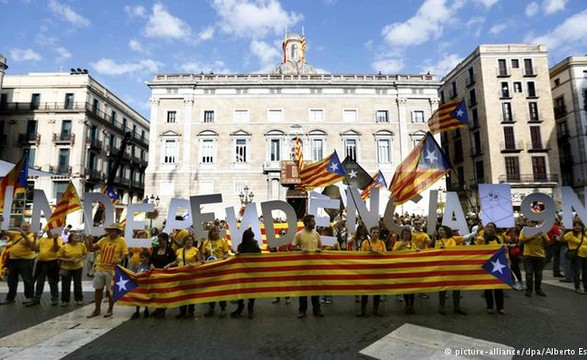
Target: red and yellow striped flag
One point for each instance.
(299, 154)
(449, 116)
(68, 203)
(322, 173)
(17, 178)
(335, 273)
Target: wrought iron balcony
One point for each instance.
(511, 146)
(528, 178)
(94, 144)
(60, 169)
(64, 138)
(536, 146)
(29, 139)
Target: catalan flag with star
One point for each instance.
(338, 273)
(423, 166)
(17, 178)
(68, 203)
(449, 116)
(322, 173)
(378, 181)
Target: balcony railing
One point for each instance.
(64, 138)
(528, 178)
(560, 111)
(29, 139)
(94, 144)
(94, 174)
(46, 106)
(511, 146)
(60, 169)
(535, 146)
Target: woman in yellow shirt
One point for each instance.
(491, 237)
(534, 259)
(72, 255)
(576, 240)
(215, 248)
(444, 239)
(375, 245)
(188, 255)
(405, 243)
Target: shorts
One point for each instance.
(103, 279)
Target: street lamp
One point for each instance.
(246, 196)
(152, 200)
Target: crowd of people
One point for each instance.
(56, 258)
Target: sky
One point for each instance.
(124, 43)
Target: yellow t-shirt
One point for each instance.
(178, 235)
(19, 248)
(480, 240)
(535, 245)
(421, 240)
(135, 259)
(307, 240)
(450, 242)
(70, 251)
(400, 245)
(574, 241)
(45, 246)
(111, 252)
(191, 256)
(377, 245)
(217, 248)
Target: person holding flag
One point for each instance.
(21, 259)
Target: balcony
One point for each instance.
(94, 174)
(64, 138)
(560, 111)
(528, 178)
(27, 107)
(476, 152)
(530, 71)
(511, 146)
(271, 166)
(60, 169)
(537, 146)
(93, 144)
(29, 139)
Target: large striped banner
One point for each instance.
(327, 273)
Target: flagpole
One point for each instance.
(359, 218)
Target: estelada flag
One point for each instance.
(68, 203)
(16, 177)
(449, 116)
(423, 166)
(325, 172)
(378, 181)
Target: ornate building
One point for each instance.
(220, 133)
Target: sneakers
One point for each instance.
(501, 311)
(6, 302)
(423, 296)
(490, 311)
(276, 300)
(301, 314)
(580, 291)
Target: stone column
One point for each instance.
(404, 138)
(187, 133)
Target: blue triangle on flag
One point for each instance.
(123, 283)
(497, 266)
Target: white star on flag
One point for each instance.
(431, 156)
(497, 266)
(121, 284)
(460, 113)
(333, 166)
(353, 174)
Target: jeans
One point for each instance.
(566, 264)
(24, 268)
(534, 266)
(241, 306)
(304, 304)
(456, 298)
(489, 297)
(579, 266)
(47, 270)
(76, 276)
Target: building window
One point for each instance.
(63, 160)
(35, 101)
(170, 151)
(476, 143)
(458, 150)
(350, 148)
(274, 115)
(68, 101)
(240, 155)
(505, 90)
(517, 87)
(31, 156)
(539, 168)
(531, 89)
(208, 151)
(512, 168)
(274, 150)
(515, 64)
(316, 115)
(418, 116)
(502, 67)
(381, 116)
(557, 82)
(475, 116)
(453, 93)
(3, 101)
(95, 106)
(239, 186)
(508, 136)
(317, 146)
(536, 137)
(123, 124)
(384, 151)
(528, 68)
(241, 116)
(171, 117)
(479, 172)
(349, 115)
(506, 108)
(59, 188)
(65, 130)
(533, 109)
(209, 116)
(113, 116)
(471, 78)
(472, 97)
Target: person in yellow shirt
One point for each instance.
(377, 246)
(21, 261)
(534, 259)
(72, 257)
(421, 240)
(444, 239)
(47, 268)
(113, 249)
(215, 248)
(406, 243)
(576, 240)
(188, 255)
(490, 236)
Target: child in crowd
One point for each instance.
(140, 268)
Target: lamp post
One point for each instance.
(152, 200)
(246, 196)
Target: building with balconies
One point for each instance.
(511, 136)
(219, 133)
(72, 126)
(568, 80)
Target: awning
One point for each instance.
(6, 166)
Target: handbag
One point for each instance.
(572, 254)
